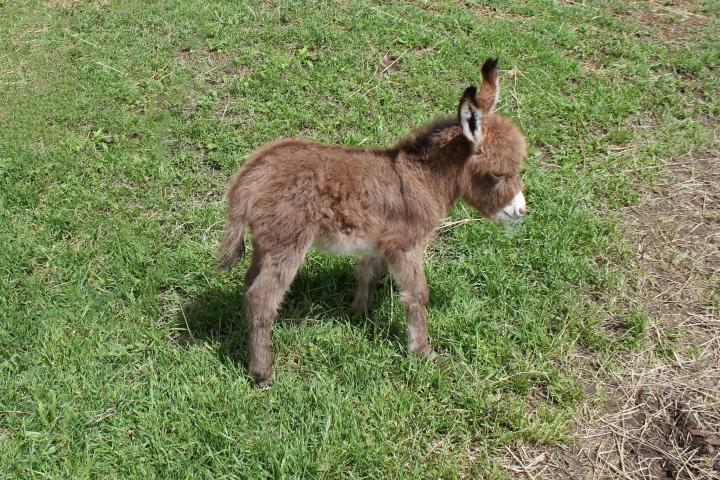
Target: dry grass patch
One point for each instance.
(676, 22)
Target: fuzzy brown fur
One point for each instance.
(380, 202)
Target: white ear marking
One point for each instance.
(470, 121)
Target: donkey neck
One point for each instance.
(435, 155)
(443, 164)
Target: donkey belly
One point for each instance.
(345, 245)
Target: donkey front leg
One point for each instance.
(407, 270)
(263, 298)
(370, 270)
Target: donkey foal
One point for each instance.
(380, 203)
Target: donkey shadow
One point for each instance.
(217, 316)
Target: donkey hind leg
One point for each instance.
(370, 270)
(263, 298)
(407, 270)
(254, 269)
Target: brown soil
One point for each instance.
(672, 21)
(216, 70)
(389, 63)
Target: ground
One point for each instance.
(662, 416)
(582, 343)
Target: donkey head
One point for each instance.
(491, 179)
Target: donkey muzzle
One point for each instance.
(514, 210)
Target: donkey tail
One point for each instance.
(233, 246)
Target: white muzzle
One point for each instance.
(512, 211)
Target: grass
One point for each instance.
(121, 350)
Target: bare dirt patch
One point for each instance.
(212, 71)
(389, 63)
(672, 22)
(72, 3)
(210, 66)
(675, 22)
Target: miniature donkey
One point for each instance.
(380, 203)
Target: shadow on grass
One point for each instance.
(217, 316)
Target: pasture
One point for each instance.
(121, 343)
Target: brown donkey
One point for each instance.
(380, 203)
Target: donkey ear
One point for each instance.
(489, 92)
(469, 115)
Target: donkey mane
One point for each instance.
(425, 138)
(438, 143)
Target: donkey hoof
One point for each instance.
(360, 307)
(424, 352)
(262, 377)
(430, 355)
(264, 383)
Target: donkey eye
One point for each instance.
(488, 180)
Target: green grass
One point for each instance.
(121, 352)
